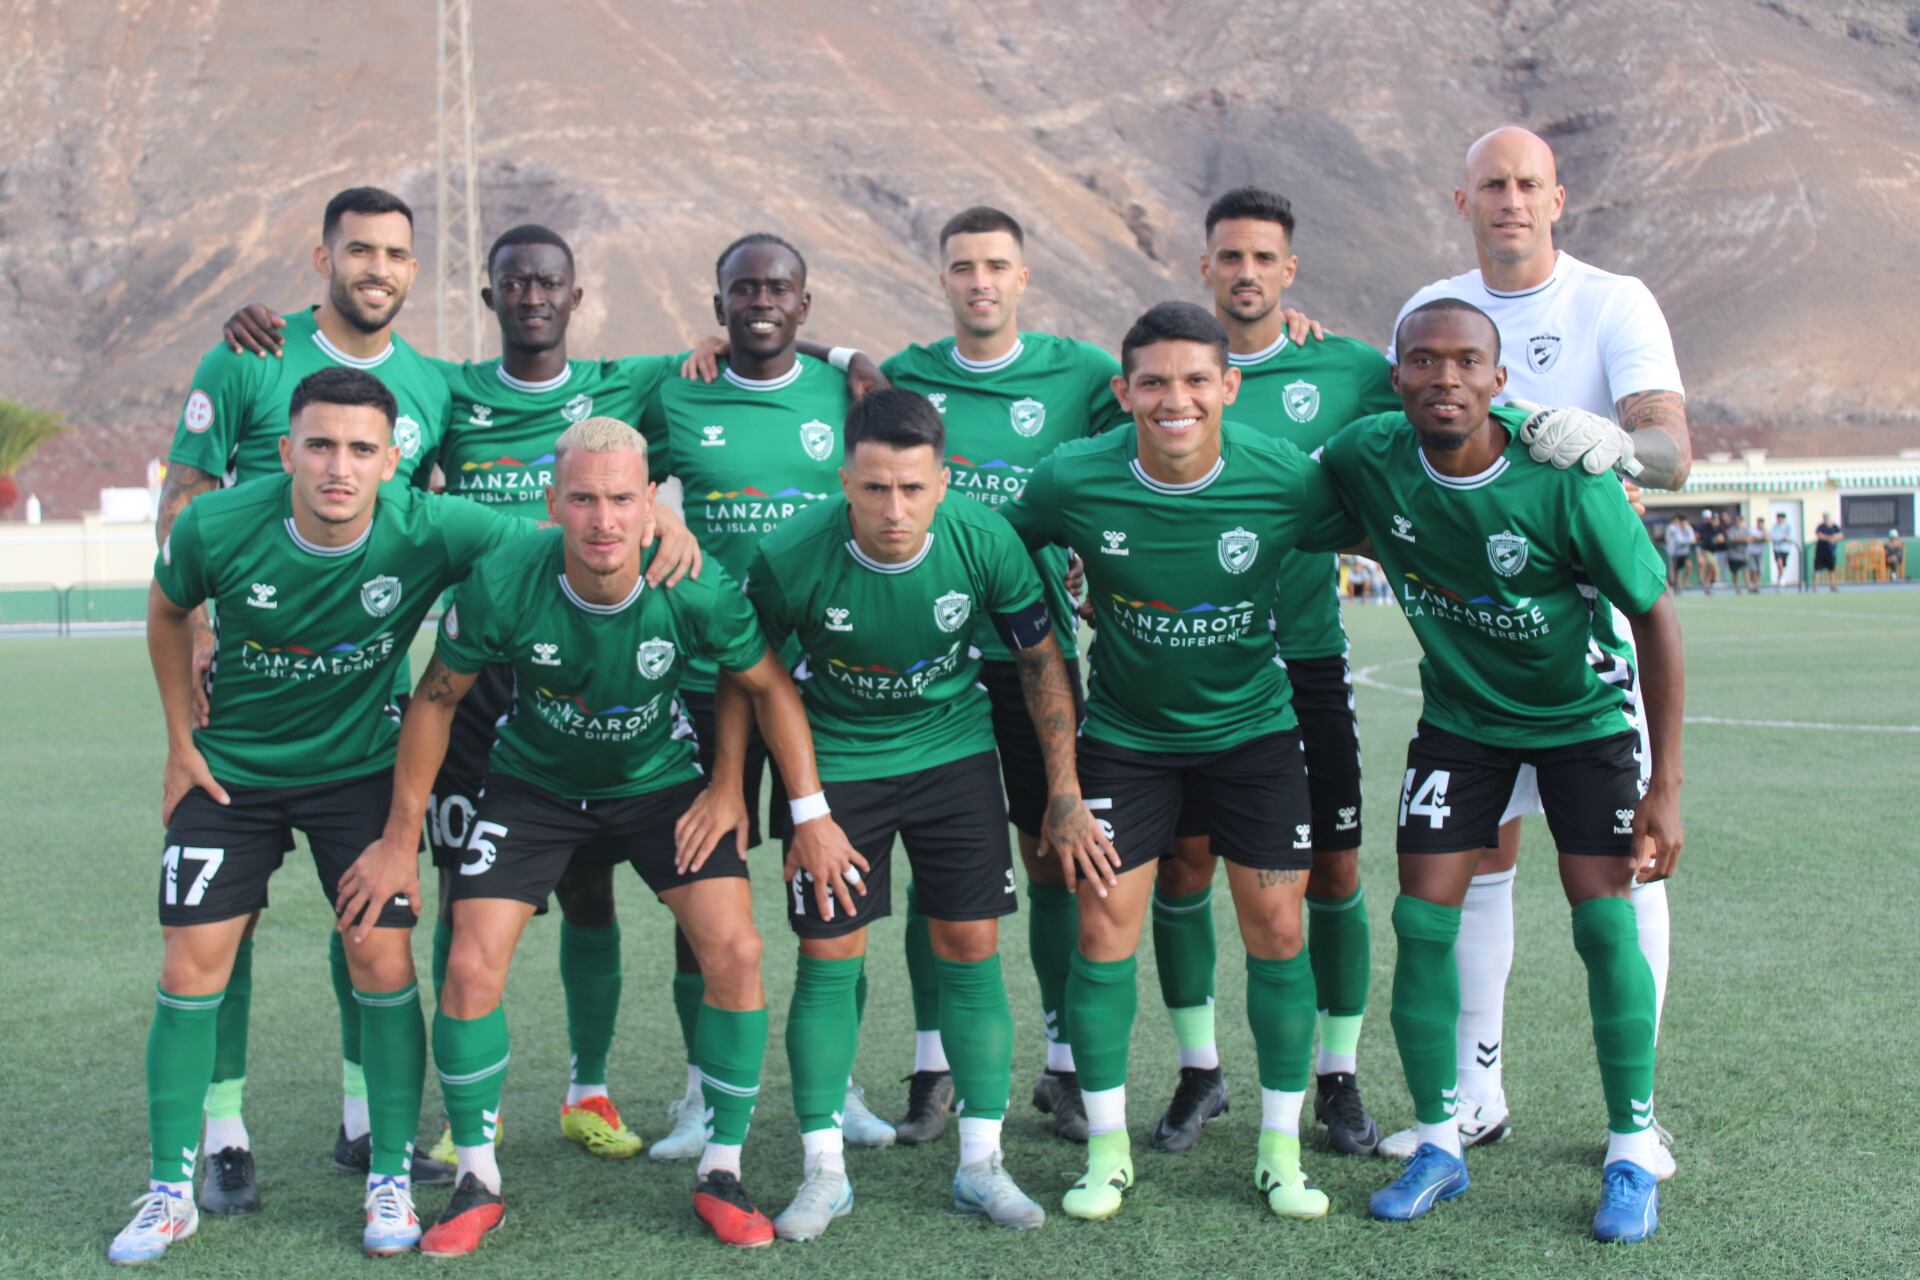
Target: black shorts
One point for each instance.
(955, 829)
(218, 858)
(1822, 555)
(699, 708)
(1023, 770)
(1780, 561)
(524, 837)
(1455, 790)
(1253, 799)
(476, 722)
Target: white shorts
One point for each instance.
(1526, 787)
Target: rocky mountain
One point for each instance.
(1758, 163)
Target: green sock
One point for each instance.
(590, 976)
(1053, 931)
(977, 1026)
(470, 1055)
(1620, 994)
(1102, 997)
(442, 948)
(732, 1044)
(180, 1052)
(689, 997)
(395, 1060)
(1426, 1003)
(922, 971)
(860, 994)
(823, 1034)
(1185, 950)
(230, 1042)
(1341, 947)
(343, 998)
(1280, 1010)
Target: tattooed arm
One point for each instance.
(1068, 826)
(1657, 420)
(183, 485)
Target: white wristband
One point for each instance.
(841, 357)
(807, 808)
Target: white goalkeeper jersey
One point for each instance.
(1585, 337)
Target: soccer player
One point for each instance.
(592, 764)
(1579, 337)
(320, 580)
(1301, 393)
(1183, 519)
(882, 589)
(1504, 571)
(1007, 399)
(236, 415)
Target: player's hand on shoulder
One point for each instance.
(703, 362)
(385, 869)
(863, 375)
(1657, 834)
(679, 554)
(1300, 326)
(255, 328)
(713, 813)
(186, 769)
(821, 851)
(1070, 830)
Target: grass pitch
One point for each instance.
(1787, 1065)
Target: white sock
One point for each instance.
(579, 1093)
(1280, 1110)
(1445, 1135)
(1650, 913)
(979, 1139)
(1483, 954)
(724, 1156)
(1207, 1057)
(928, 1053)
(224, 1132)
(353, 1117)
(822, 1149)
(1106, 1109)
(693, 1083)
(479, 1162)
(1059, 1056)
(1637, 1147)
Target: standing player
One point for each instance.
(882, 590)
(1184, 517)
(1007, 399)
(1578, 337)
(1301, 393)
(1498, 566)
(320, 581)
(591, 765)
(230, 431)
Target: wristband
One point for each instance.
(807, 808)
(841, 357)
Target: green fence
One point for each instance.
(35, 608)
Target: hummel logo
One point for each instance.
(1642, 1112)
(1489, 1054)
(546, 655)
(713, 436)
(837, 620)
(1403, 528)
(1623, 822)
(1116, 543)
(263, 595)
(1303, 836)
(938, 400)
(482, 416)
(1349, 818)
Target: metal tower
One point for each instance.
(456, 292)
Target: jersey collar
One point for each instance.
(786, 379)
(1195, 486)
(338, 356)
(1560, 261)
(988, 366)
(293, 531)
(521, 384)
(639, 585)
(1259, 357)
(1484, 478)
(867, 561)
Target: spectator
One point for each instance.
(1782, 548)
(1733, 536)
(1896, 556)
(1679, 540)
(1706, 555)
(1825, 550)
(1756, 554)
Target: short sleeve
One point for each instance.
(216, 410)
(471, 529)
(1636, 344)
(470, 631)
(1376, 394)
(1325, 522)
(1034, 515)
(734, 639)
(769, 601)
(181, 567)
(1011, 580)
(1613, 548)
(646, 375)
(1104, 411)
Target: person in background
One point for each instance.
(1896, 556)
(1704, 559)
(1734, 536)
(1825, 550)
(1679, 542)
(1756, 554)
(1782, 549)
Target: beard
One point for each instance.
(1442, 441)
(340, 294)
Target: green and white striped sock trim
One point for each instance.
(473, 1077)
(386, 1000)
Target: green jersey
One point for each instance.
(889, 675)
(595, 714)
(237, 411)
(1002, 417)
(301, 689)
(750, 455)
(1304, 393)
(498, 445)
(1182, 580)
(1496, 574)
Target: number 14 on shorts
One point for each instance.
(1428, 800)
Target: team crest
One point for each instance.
(654, 657)
(1301, 401)
(816, 438)
(1507, 552)
(577, 409)
(379, 595)
(198, 415)
(951, 610)
(1238, 550)
(1542, 350)
(1029, 416)
(406, 434)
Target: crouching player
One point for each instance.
(594, 764)
(882, 587)
(1496, 563)
(320, 579)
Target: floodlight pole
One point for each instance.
(456, 292)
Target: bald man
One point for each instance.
(1573, 335)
